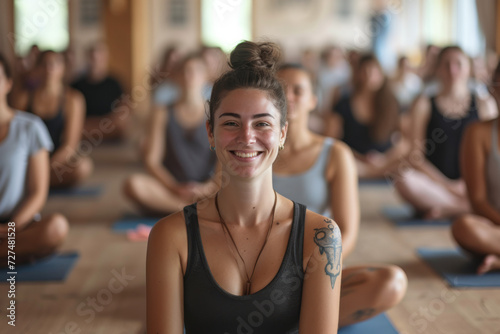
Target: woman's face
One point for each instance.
(5, 83)
(53, 66)
(454, 66)
(247, 132)
(194, 74)
(299, 93)
(371, 76)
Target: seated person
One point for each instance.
(329, 187)
(433, 185)
(479, 232)
(62, 109)
(176, 153)
(212, 266)
(367, 119)
(24, 182)
(105, 111)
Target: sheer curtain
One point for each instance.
(486, 13)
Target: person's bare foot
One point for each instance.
(490, 263)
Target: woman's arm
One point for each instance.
(155, 148)
(319, 311)
(74, 117)
(473, 163)
(344, 198)
(164, 276)
(487, 108)
(37, 188)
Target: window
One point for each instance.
(41, 22)
(225, 23)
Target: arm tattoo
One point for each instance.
(329, 241)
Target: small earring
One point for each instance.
(282, 147)
(212, 148)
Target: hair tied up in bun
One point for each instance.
(253, 67)
(255, 56)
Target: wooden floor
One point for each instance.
(429, 306)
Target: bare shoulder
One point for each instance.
(75, 98)
(340, 150)
(74, 95)
(340, 158)
(479, 131)
(487, 107)
(421, 106)
(320, 232)
(169, 232)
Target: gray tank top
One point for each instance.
(493, 169)
(188, 156)
(311, 187)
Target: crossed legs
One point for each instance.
(369, 290)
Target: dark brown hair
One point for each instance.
(385, 105)
(253, 65)
(447, 49)
(300, 67)
(6, 67)
(45, 54)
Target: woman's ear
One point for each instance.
(210, 133)
(283, 133)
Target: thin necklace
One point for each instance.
(249, 278)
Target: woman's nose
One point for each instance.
(246, 135)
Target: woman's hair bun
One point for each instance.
(255, 56)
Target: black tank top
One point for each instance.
(187, 155)
(356, 134)
(55, 125)
(443, 137)
(274, 309)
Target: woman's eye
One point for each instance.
(262, 124)
(230, 123)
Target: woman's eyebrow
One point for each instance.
(230, 114)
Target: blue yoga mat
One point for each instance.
(93, 191)
(458, 269)
(404, 216)
(376, 325)
(131, 223)
(374, 182)
(53, 268)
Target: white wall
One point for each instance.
(187, 37)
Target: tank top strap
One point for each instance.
(297, 237)
(322, 160)
(192, 229)
(494, 138)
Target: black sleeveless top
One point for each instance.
(356, 134)
(55, 125)
(443, 137)
(188, 156)
(274, 309)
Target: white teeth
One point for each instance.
(245, 155)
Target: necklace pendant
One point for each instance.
(249, 285)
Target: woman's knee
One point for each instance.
(54, 231)
(132, 186)
(84, 169)
(463, 228)
(392, 282)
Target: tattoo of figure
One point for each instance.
(329, 241)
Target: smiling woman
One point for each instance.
(246, 259)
